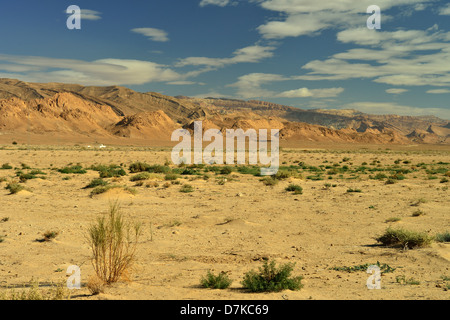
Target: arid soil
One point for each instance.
(235, 225)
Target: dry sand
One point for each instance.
(231, 227)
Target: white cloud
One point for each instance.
(251, 54)
(439, 91)
(309, 17)
(393, 108)
(153, 34)
(181, 83)
(311, 93)
(398, 58)
(249, 85)
(87, 14)
(220, 3)
(396, 91)
(98, 72)
(445, 11)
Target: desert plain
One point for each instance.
(232, 222)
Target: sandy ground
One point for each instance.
(230, 227)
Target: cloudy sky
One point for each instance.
(303, 53)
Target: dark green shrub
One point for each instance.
(272, 279)
(226, 170)
(6, 166)
(294, 188)
(96, 182)
(73, 170)
(212, 281)
(443, 237)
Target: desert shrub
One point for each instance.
(50, 235)
(226, 170)
(253, 170)
(443, 237)
(379, 176)
(269, 181)
(139, 167)
(390, 181)
(35, 292)
(152, 184)
(140, 176)
(158, 169)
(14, 187)
(95, 285)
(384, 268)
(272, 279)
(443, 180)
(96, 183)
(393, 219)
(105, 188)
(404, 238)
(418, 213)
(351, 190)
(6, 166)
(221, 281)
(109, 171)
(23, 177)
(282, 175)
(294, 188)
(114, 242)
(73, 170)
(171, 177)
(187, 188)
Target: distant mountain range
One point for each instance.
(55, 112)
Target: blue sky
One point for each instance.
(303, 53)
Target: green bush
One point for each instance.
(96, 183)
(212, 281)
(272, 279)
(140, 176)
(443, 237)
(14, 187)
(6, 166)
(226, 170)
(269, 181)
(138, 167)
(295, 188)
(404, 238)
(73, 170)
(187, 188)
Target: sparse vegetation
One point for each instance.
(114, 242)
(14, 187)
(405, 239)
(187, 188)
(221, 281)
(294, 188)
(384, 268)
(272, 279)
(443, 237)
(35, 292)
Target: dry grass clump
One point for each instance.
(35, 292)
(404, 238)
(113, 241)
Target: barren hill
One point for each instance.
(124, 116)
